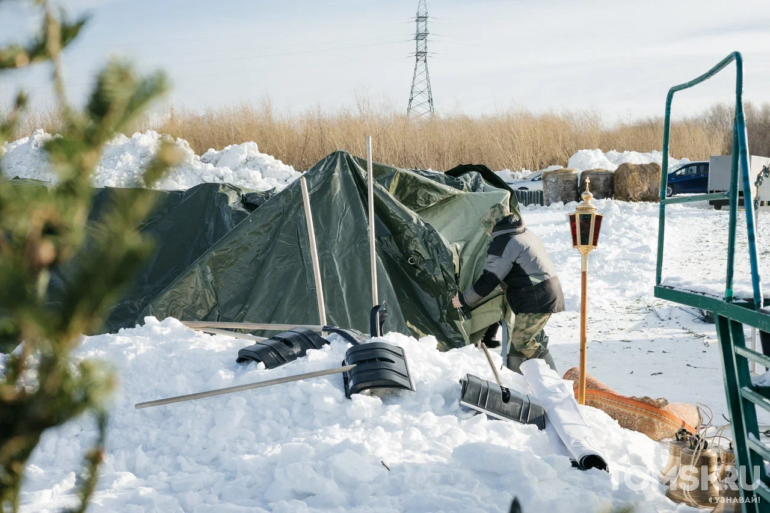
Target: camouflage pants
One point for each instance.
(526, 327)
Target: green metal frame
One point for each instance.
(731, 314)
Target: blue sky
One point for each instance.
(616, 57)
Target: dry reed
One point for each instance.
(510, 139)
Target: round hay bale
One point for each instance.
(560, 185)
(601, 182)
(637, 182)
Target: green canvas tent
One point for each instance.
(183, 226)
(432, 231)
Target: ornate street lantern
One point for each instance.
(585, 225)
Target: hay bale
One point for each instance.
(560, 185)
(601, 182)
(637, 182)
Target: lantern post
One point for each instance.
(585, 225)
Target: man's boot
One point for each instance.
(514, 363)
(515, 360)
(489, 336)
(549, 360)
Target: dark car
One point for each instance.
(690, 178)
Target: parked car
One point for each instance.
(689, 178)
(533, 182)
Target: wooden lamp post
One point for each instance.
(585, 224)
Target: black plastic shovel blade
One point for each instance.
(282, 348)
(500, 402)
(378, 365)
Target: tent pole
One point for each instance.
(372, 242)
(240, 388)
(244, 336)
(313, 252)
(249, 325)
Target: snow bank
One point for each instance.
(305, 447)
(584, 160)
(511, 176)
(125, 158)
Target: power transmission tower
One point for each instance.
(421, 97)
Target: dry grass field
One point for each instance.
(512, 139)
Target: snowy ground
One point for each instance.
(304, 447)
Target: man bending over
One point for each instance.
(518, 261)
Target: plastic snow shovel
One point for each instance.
(376, 365)
(498, 401)
(367, 366)
(282, 348)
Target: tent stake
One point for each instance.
(313, 252)
(372, 241)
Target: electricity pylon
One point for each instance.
(421, 97)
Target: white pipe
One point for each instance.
(313, 252)
(372, 241)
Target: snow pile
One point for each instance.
(512, 176)
(305, 447)
(125, 158)
(584, 160)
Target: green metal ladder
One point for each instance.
(731, 314)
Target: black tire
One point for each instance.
(670, 190)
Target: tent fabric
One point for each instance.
(183, 225)
(432, 231)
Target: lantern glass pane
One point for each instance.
(573, 229)
(597, 227)
(585, 229)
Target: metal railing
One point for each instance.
(731, 315)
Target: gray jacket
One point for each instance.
(518, 260)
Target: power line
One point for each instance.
(421, 96)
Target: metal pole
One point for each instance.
(372, 241)
(313, 252)
(583, 323)
(239, 388)
(244, 336)
(492, 365)
(250, 325)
